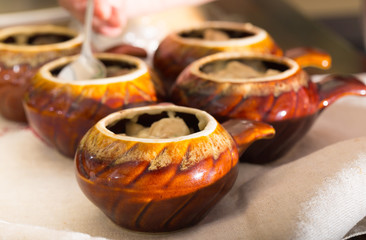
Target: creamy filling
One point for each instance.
(170, 127)
(236, 69)
(215, 35)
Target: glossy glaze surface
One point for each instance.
(289, 101)
(61, 112)
(159, 185)
(177, 50)
(20, 61)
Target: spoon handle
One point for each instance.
(86, 48)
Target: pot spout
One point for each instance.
(245, 132)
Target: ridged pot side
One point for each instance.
(285, 97)
(62, 112)
(19, 63)
(156, 187)
(288, 100)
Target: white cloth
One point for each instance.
(316, 191)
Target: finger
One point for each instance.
(109, 31)
(117, 18)
(102, 9)
(102, 28)
(112, 26)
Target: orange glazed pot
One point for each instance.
(181, 48)
(61, 112)
(161, 184)
(288, 100)
(23, 49)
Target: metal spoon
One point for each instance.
(86, 65)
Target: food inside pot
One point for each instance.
(242, 68)
(114, 68)
(216, 34)
(164, 128)
(36, 39)
(117, 70)
(157, 126)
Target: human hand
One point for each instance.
(109, 18)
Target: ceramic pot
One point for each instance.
(61, 111)
(179, 49)
(163, 183)
(23, 49)
(288, 99)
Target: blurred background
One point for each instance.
(342, 17)
(333, 25)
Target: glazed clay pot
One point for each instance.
(288, 100)
(23, 49)
(161, 184)
(179, 49)
(61, 111)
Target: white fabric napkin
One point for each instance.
(316, 191)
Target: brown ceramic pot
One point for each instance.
(23, 49)
(161, 184)
(181, 48)
(61, 111)
(288, 100)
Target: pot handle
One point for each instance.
(245, 132)
(334, 87)
(310, 57)
(128, 50)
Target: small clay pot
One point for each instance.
(23, 49)
(61, 111)
(282, 95)
(181, 48)
(163, 183)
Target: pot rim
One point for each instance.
(222, 56)
(259, 34)
(204, 118)
(75, 38)
(45, 70)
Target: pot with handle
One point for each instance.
(161, 168)
(280, 93)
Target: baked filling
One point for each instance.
(216, 34)
(167, 124)
(168, 127)
(252, 68)
(115, 70)
(164, 128)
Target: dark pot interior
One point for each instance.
(36, 39)
(114, 67)
(146, 120)
(232, 33)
